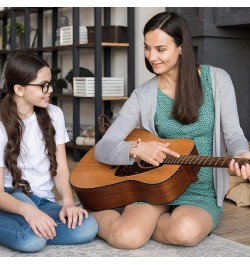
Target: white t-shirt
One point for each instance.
(32, 160)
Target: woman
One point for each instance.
(181, 101)
(32, 160)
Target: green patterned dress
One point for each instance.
(201, 193)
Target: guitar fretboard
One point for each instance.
(195, 160)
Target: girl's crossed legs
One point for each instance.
(15, 232)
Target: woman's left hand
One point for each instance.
(244, 170)
(74, 215)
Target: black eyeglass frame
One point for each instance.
(44, 85)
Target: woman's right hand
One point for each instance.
(41, 223)
(154, 152)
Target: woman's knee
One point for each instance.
(185, 233)
(187, 237)
(126, 237)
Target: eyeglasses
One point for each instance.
(45, 86)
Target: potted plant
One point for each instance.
(58, 83)
(84, 72)
(19, 34)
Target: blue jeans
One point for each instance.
(15, 232)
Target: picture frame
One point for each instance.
(33, 36)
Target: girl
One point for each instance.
(32, 160)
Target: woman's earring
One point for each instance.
(180, 52)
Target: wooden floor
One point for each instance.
(234, 224)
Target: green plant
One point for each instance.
(19, 28)
(60, 83)
(55, 72)
(84, 72)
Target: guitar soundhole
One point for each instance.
(129, 170)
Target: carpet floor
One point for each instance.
(211, 246)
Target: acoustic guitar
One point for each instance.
(100, 186)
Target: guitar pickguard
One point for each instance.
(129, 170)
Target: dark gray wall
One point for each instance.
(221, 37)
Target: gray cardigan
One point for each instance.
(139, 111)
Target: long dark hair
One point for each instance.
(22, 69)
(189, 96)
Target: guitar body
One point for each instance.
(98, 187)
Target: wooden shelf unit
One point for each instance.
(101, 50)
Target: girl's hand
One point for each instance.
(73, 215)
(41, 223)
(154, 152)
(243, 171)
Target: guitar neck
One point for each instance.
(204, 161)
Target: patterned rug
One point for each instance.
(212, 246)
